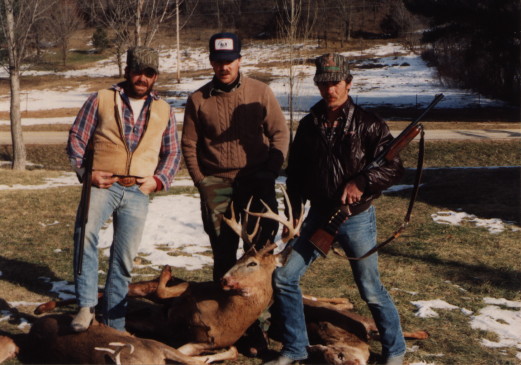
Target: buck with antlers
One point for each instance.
(207, 315)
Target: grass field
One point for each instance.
(458, 264)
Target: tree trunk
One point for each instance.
(177, 41)
(137, 26)
(19, 154)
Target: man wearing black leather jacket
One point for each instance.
(332, 145)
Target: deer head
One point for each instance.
(255, 268)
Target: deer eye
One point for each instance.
(253, 263)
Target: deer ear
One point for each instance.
(282, 256)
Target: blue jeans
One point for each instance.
(356, 236)
(129, 207)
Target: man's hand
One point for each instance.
(147, 184)
(103, 179)
(351, 194)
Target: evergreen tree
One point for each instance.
(100, 40)
(476, 43)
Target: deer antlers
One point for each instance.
(293, 226)
(242, 231)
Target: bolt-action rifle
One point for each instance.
(84, 203)
(323, 238)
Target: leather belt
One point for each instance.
(127, 181)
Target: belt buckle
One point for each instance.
(127, 181)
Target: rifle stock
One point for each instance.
(322, 240)
(84, 205)
(323, 237)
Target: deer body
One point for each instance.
(209, 315)
(8, 348)
(53, 341)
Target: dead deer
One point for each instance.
(8, 348)
(52, 341)
(207, 315)
(339, 336)
(216, 316)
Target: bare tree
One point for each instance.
(118, 17)
(178, 28)
(139, 18)
(294, 26)
(63, 21)
(16, 20)
(345, 8)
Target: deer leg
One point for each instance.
(178, 356)
(195, 348)
(142, 289)
(230, 354)
(333, 303)
(417, 335)
(164, 291)
(53, 304)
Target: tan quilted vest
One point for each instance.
(111, 152)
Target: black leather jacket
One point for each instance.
(318, 167)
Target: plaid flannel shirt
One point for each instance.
(87, 120)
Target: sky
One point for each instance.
(174, 222)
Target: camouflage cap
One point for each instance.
(140, 58)
(331, 67)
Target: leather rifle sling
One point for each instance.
(414, 193)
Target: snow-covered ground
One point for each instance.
(402, 79)
(174, 221)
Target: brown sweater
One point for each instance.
(238, 132)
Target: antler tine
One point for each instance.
(241, 230)
(288, 223)
(290, 210)
(232, 222)
(245, 235)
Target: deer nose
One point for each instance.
(228, 283)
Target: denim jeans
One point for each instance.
(356, 236)
(129, 207)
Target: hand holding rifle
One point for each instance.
(323, 238)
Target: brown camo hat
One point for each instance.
(331, 67)
(140, 58)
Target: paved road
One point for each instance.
(440, 134)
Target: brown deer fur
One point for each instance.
(52, 341)
(215, 316)
(8, 348)
(339, 336)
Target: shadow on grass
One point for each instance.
(27, 274)
(461, 272)
(492, 192)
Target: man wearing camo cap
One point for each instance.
(332, 145)
(132, 134)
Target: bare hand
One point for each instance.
(351, 194)
(103, 179)
(147, 184)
